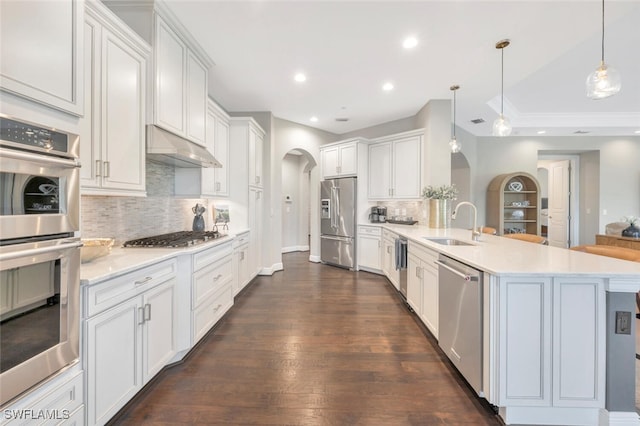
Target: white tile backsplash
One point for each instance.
(125, 218)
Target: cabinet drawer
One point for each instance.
(61, 401)
(427, 256)
(211, 278)
(389, 235)
(109, 293)
(208, 256)
(369, 230)
(209, 312)
(241, 239)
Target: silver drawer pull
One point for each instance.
(147, 279)
(217, 277)
(217, 308)
(147, 312)
(141, 315)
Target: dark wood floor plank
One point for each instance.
(313, 345)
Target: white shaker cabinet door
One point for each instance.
(329, 160)
(349, 159)
(380, 171)
(406, 168)
(196, 99)
(221, 152)
(170, 79)
(158, 309)
(122, 105)
(41, 54)
(114, 343)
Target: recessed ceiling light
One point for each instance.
(387, 86)
(314, 119)
(542, 132)
(410, 42)
(300, 77)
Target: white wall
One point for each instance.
(288, 135)
(435, 118)
(295, 203)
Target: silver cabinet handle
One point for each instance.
(106, 169)
(145, 280)
(98, 168)
(418, 272)
(217, 308)
(147, 312)
(241, 255)
(217, 186)
(217, 277)
(141, 315)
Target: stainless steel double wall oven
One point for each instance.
(39, 254)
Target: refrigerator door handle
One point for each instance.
(334, 208)
(343, 239)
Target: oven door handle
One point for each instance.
(38, 251)
(40, 159)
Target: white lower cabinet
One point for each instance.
(130, 337)
(422, 285)
(241, 262)
(389, 258)
(60, 397)
(369, 248)
(546, 345)
(211, 288)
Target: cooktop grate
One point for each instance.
(175, 239)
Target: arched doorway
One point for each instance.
(298, 201)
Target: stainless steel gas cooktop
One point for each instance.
(175, 239)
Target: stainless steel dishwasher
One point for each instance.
(460, 317)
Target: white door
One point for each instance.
(406, 168)
(559, 214)
(379, 171)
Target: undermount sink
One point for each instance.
(448, 241)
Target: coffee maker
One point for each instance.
(378, 214)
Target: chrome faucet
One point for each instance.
(475, 234)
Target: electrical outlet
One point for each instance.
(623, 322)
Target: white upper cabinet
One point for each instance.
(170, 58)
(247, 132)
(395, 167)
(41, 55)
(179, 77)
(180, 84)
(207, 181)
(339, 160)
(196, 99)
(112, 130)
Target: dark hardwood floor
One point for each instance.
(313, 345)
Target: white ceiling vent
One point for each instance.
(477, 120)
(342, 119)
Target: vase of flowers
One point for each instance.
(633, 231)
(440, 200)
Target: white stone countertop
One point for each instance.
(123, 260)
(503, 256)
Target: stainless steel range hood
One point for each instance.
(166, 147)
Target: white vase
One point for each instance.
(439, 213)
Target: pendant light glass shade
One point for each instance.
(502, 125)
(604, 81)
(453, 143)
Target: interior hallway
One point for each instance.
(313, 344)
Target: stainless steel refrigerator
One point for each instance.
(338, 222)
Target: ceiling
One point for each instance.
(348, 49)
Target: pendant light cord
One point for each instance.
(502, 83)
(454, 114)
(602, 46)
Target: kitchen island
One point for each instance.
(550, 351)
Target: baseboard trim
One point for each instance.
(273, 268)
(620, 418)
(294, 248)
(314, 259)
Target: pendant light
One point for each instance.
(453, 143)
(604, 81)
(502, 125)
